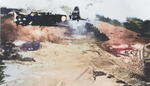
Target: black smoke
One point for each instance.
(98, 35)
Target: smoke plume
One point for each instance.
(11, 32)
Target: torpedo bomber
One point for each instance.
(45, 19)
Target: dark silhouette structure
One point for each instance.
(30, 46)
(75, 15)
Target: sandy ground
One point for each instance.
(59, 65)
(69, 64)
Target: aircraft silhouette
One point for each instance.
(45, 19)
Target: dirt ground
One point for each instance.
(68, 65)
(120, 35)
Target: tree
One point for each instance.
(108, 20)
(116, 22)
(134, 24)
(139, 26)
(146, 26)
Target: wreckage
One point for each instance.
(11, 51)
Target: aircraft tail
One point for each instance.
(75, 15)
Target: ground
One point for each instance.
(66, 65)
(71, 62)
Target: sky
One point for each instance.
(114, 9)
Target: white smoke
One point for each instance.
(78, 27)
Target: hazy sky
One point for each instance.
(115, 9)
